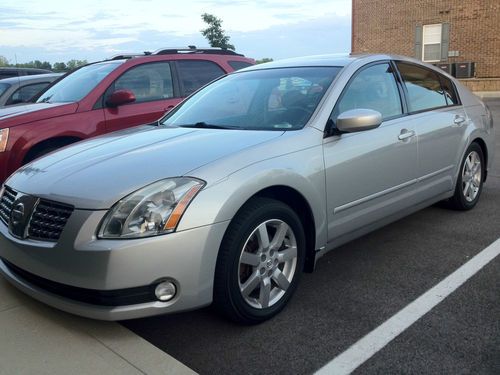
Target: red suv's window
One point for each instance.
(195, 73)
(237, 65)
(148, 82)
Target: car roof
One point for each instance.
(33, 78)
(16, 69)
(340, 60)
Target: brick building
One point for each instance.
(436, 31)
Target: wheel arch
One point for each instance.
(298, 203)
(57, 142)
(484, 149)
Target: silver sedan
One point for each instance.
(242, 187)
(22, 89)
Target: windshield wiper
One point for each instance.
(46, 99)
(204, 125)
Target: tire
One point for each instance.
(469, 185)
(255, 277)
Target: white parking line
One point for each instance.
(374, 341)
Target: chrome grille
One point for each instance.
(6, 203)
(48, 220)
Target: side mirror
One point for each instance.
(120, 97)
(356, 120)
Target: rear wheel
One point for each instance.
(260, 261)
(470, 180)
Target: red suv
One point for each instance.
(110, 95)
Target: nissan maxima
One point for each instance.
(242, 187)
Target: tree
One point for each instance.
(73, 64)
(214, 33)
(263, 60)
(34, 64)
(4, 61)
(60, 67)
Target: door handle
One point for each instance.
(459, 120)
(405, 134)
(169, 108)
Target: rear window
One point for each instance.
(423, 86)
(237, 65)
(26, 93)
(197, 73)
(449, 91)
(3, 87)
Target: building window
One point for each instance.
(431, 42)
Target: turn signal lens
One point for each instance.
(176, 215)
(4, 137)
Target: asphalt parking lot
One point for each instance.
(356, 288)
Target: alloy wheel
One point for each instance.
(267, 263)
(471, 176)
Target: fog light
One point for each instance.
(165, 291)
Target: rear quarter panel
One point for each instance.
(481, 122)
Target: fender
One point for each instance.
(302, 171)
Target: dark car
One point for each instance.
(8, 72)
(124, 91)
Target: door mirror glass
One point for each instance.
(120, 97)
(356, 120)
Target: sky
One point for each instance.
(61, 30)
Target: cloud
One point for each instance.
(94, 29)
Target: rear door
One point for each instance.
(194, 74)
(440, 122)
(156, 92)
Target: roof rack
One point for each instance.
(177, 50)
(194, 49)
(122, 56)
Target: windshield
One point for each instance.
(3, 88)
(76, 85)
(271, 99)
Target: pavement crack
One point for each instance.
(119, 355)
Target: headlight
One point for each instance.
(153, 210)
(4, 137)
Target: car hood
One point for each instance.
(23, 113)
(96, 173)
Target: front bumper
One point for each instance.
(80, 260)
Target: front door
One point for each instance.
(370, 174)
(152, 85)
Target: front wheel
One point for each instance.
(470, 179)
(260, 261)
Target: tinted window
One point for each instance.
(449, 90)
(197, 73)
(424, 88)
(3, 87)
(373, 88)
(25, 93)
(237, 65)
(270, 99)
(148, 82)
(76, 85)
